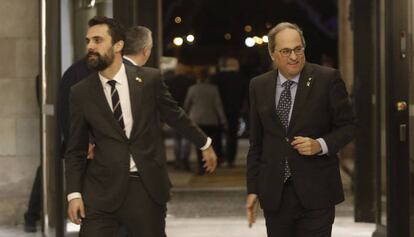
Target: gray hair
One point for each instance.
(137, 38)
(278, 28)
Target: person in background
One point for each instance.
(231, 85)
(203, 105)
(178, 85)
(138, 46)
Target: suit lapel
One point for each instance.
(102, 103)
(135, 84)
(305, 85)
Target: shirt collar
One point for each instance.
(281, 79)
(130, 60)
(120, 77)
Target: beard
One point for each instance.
(99, 62)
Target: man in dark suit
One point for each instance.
(74, 74)
(232, 86)
(178, 85)
(300, 118)
(121, 106)
(138, 46)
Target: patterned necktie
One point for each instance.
(116, 105)
(283, 110)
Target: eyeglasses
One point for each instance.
(286, 52)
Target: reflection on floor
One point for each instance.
(213, 205)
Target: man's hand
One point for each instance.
(210, 159)
(91, 153)
(251, 208)
(76, 210)
(306, 146)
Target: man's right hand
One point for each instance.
(210, 159)
(251, 208)
(76, 210)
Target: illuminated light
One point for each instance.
(249, 42)
(265, 39)
(258, 40)
(248, 28)
(177, 19)
(227, 36)
(92, 3)
(178, 41)
(190, 38)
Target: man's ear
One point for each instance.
(118, 46)
(146, 51)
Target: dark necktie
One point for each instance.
(116, 105)
(283, 110)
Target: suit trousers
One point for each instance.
(35, 202)
(141, 216)
(231, 140)
(293, 220)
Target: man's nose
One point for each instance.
(293, 55)
(90, 46)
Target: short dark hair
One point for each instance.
(278, 28)
(115, 29)
(137, 38)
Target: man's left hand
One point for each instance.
(306, 146)
(210, 159)
(91, 151)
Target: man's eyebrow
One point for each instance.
(94, 37)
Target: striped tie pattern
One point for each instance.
(116, 105)
(283, 110)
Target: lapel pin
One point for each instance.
(309, 81)
(138, 79)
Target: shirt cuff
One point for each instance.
(73, 196)
(323, 146)
(207, 145)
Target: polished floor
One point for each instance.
(224, 227)
(213, 206)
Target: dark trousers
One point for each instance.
(32, 214)
(211, 131)
(141, 216)
(293, 220)
(231, 141)
(182, 149)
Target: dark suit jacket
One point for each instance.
(321, 110)
(103, 183)
(178, 85)
(232, 86)
(75, 73)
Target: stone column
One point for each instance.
(19, 110)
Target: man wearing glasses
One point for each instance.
(300, 118)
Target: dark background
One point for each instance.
(209, 20)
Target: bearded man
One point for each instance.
(121, 106)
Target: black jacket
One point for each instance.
(321, 110)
